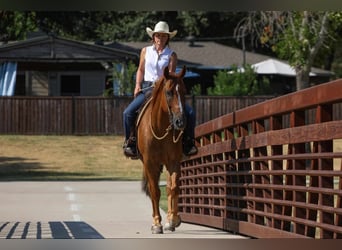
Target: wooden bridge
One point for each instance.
(270, 170)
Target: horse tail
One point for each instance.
(144, 182)
(144, 185)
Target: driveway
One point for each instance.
(84, 210)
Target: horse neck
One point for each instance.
(160, 114)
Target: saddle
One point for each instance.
(141, 110)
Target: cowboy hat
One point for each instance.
(161, 27)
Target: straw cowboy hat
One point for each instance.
(161, 27)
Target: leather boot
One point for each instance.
(189, 147)
(130, 147)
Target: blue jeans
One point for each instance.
(130, 114)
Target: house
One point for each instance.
(54, 66)
(48, 65)
(207, 57)
(285, 76)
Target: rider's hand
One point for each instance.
(137, 90)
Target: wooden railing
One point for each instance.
(268, 171)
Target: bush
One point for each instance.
(239, 82)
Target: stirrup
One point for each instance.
(130, 149)
(189, 147)
(192, 151)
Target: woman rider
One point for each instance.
(153, 59)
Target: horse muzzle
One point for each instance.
(179, 122)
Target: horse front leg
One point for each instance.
(172, 189)
(154, 193)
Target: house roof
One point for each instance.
(277, 67)
(195, 55)
(207, 54)
(49, 48)
(201, 54)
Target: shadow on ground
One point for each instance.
(48, 230)
(25, 169)
(18, 168)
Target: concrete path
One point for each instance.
(84, 210)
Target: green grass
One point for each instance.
(163, 198)
(66, 158)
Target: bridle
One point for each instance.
(171, 126)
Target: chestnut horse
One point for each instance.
(159, 134)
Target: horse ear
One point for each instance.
(166, 72)
(182, 73)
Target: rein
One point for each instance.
(175, 140)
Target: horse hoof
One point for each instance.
(157, 229)
(168, 227)
(171, 226)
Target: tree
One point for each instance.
(123, 78)
(336, 59)
(233, 82)
(14, 25)
(294, 36)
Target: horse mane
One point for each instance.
(159, 84)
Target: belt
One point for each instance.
(146, 84)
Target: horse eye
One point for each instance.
(169, 92)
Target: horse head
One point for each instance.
(174, 89)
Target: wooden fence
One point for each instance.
(61, 115)
(92, 115)
(270, 170)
